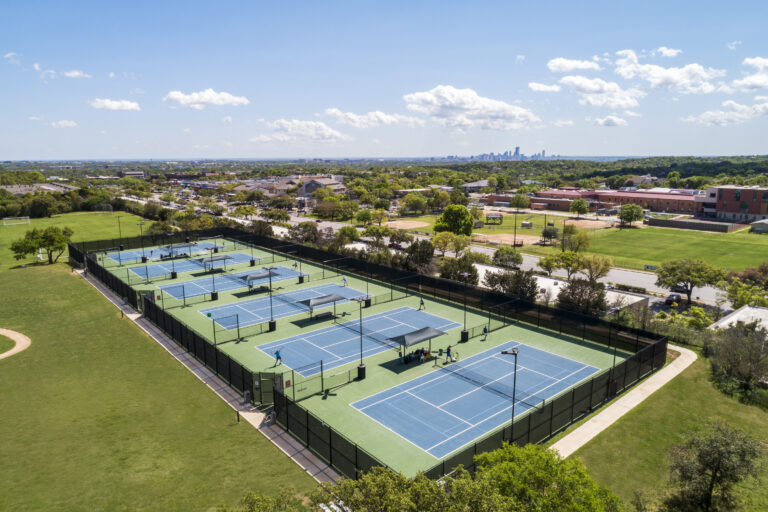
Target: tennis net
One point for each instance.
(494, 385)
(233, 278)
(370, 334)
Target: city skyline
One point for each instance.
(342, 80)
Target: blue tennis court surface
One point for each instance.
(444, 410)
(255, 311)
(187, 265)
(340, 344)
(225, 282)
(156, 252)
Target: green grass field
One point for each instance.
(86, 226)
(97, 416)
(506, 227)
(632, 454)
(6, 344)
(635, 248)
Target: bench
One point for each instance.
(324, 315)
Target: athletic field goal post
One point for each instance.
(12, 221)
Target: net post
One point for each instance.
(184, 295)
(237, 319)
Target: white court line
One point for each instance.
(505, 409)
(433, 405)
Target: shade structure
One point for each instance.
(211, 259)
(414, 337)
(259, 275)
(319, 301)
(180, 246)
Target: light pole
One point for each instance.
(465, 333)
(512, 352)
(360, 303)
(119, 230)
(272, 324)
(514, 239)
(141, 237)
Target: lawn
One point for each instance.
(507, 226)
(6, 344)
(97, 416)
(632, 454)
(635, 248)
(86, 226)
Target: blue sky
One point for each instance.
(364, 79)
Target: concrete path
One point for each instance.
(22, 342)
(307, 460)
(607, 417)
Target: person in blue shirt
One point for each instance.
(278, 357)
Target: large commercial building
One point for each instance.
(734, 203)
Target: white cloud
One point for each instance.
(371, 119)
(198, 100)
(11, 57)
(226, 119)
(75, 73)
(536, 86)
(137, 90)
(758, 80)
(560, 123)
(733, 44)
(286, 130)
(667, 52)
(691, 78)
(464, 108)
(111, 74)
(732, 113)
(599, 93)
(519, 58)
(187, 130)
(35, 118)
(107, 104)
(610, 121)
(562, 65)
(36, 66)
(630, 113)
(63, 124)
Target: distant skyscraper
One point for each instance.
(516, 156)
(543, 154)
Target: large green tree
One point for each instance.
(519, 201)
(708, 464)
(507, 256)
(629, 213)
(579, 207)
(52, 241)
(537, 479)
(456, 219)
(689, 273)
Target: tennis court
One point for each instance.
(188, 265)
(157, 252)
(225, 282)
(255, 311)
(340, 344)
(446, 409)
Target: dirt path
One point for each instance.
(406, 224)
(22, 342)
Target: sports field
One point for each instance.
(97, 416)
(409, 415)
(635, 248)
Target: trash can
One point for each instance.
(361, 372)
(143, 259)
(464, 335)
(368, 302)
(214, 295)
(174, 275)
(253, 263)
(272, 325)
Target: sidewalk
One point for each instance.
(607, 417)
(308, 461)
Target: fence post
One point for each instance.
(293, 385)
(573, 402)
(322, 377)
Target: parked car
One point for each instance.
(679, 288)
(394, 245)
(674, 298)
